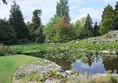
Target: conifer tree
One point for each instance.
(62, 9)
(87, 31)
(115, 19)
(17, 21)
(107, 18)
(7, 33)
(96, 29)
(36, 20)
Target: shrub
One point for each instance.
(5, 50)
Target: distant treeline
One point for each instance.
(58, 29)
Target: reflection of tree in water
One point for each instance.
(90, 57)
(65, 64)
(111, 63)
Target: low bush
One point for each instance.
(5, 50)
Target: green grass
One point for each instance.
(82, 45)
(8, 64)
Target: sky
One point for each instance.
(78, 8)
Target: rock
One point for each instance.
(109, 52)
(41, 67)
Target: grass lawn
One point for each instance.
(8, 65)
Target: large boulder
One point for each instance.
(41, 67)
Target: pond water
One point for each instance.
(84, 62)
(90, 68)
(91, 64)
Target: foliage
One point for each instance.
(115, 19)
(17, 21)
(10, 64)
(36, 28)
(96, 29)
(84, 46)
(42, 77)
(49, 28)
(79, 26)
(4, 1)
(36, 20)
(62, 9)
(5, 50)
(39, 37)
(7, 33)
(107, 17)
(87, 30)
(63, 31)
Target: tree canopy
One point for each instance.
(17, 21)
(107, 18)
(4, 1)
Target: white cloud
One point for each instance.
(27, 7)
(94, 13)
(78, 9)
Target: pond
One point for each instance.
(93, 64)
(84, 62)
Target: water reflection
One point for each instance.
(111, 64)
(95, 67)
(91, 63)
(65, 64)
(97, 64)
(82, 61)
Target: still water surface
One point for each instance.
(91, 64)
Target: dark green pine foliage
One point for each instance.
(96, 29)
(115, 19)
(107, 18)
(88, 27)
(37, 31)
(62, 9)
(36, 20)
(7, 33)
(17, 21)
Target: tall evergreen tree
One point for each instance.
(87, 31)
(96, 29)
(36, 20)
(62, 9)
(107, 17)
(7, 33)
(115, 19)
(17, 21)
(37, 27)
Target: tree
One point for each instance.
(49, 28)
(36, 28)
(36, 20)
(4, 1)
(96, 29)
(88, 27)
(7, 33)
(107, 18)
(17, 21)
(62, 9)
(79, 25)
(63, 31)
(115, 19)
